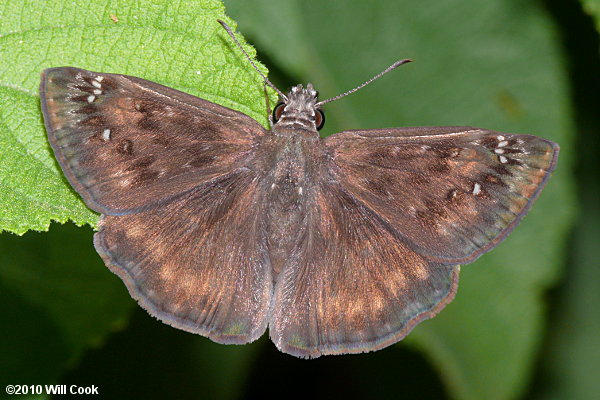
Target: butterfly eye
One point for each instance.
(277, 111)
(319, 119)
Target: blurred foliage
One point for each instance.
(567, 368)
(592, 7)
(507, 65)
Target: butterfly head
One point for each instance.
(299, 110)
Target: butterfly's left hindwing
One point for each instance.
(127, 144)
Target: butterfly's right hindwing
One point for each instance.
(351, 284)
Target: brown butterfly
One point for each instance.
(339, 245)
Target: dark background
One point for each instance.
(139, 357)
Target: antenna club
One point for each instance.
(400, 62)
(379, 75)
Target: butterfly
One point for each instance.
(220, 227)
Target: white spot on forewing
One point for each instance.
(91, 98)
(502, 143)
(97, 91)
(96, 84)
(99, 78)
(499, 151)
(106, 135)
(500, 138)
(300, 190)
(503, 160)
(476, 188)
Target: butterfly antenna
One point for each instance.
(267, 81)
(379, 75)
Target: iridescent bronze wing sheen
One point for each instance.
(352, 284)
(340, 245)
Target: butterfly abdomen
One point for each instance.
(289, 180)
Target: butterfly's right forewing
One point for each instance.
(127, 144)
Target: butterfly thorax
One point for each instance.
(299, 113)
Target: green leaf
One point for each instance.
(56, 297)
(495, 64)
(177, 43)
(572, 356)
